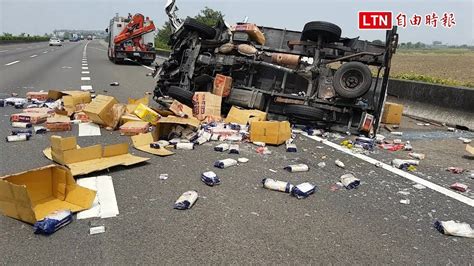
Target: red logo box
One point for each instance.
(379, 20)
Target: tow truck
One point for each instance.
(131, 38)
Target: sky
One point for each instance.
(43, 16)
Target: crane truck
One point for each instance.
(131, 37)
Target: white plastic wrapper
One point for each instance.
(225, 163)
(234, 149)
(303, 190)
(297, 168)
(222, 147)
(277, 185)
(454, 228)
(350, 181)
(184, 146)
(186, 200)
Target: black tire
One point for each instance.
(183, 96)
(203, 30)
(352, 80)
(304, 112)
(327, 31)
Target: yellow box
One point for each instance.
(147, 114)
(392, 113)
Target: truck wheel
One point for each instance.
(203, 30)
(327, 31)
(304, 112)
(352, 80)
(183, 96)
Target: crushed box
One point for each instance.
(206, 104)
(37, 95)
(134, 127)
(99, 110)
(244, 116)
(31, 195)
(89, 159)
(142, 142)
(222, 85)
(33, 118)
(147, 114)
(270, 132)
(180, 109)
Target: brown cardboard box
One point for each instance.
(142, 142)
(133, 103)
(71, 99)
(181, 110)
(244, 116)
(165, 125)
(31, 195)
(58, 123)
(147, 114)
(252, 30)
(33, 118)
(40, 110)
(222, 85)
(270, 132)
(128, 117)
(392, 113)
(134, 127)
(100, 110)
(38, 95)
(86, 160)
(81, 116)
(206, 103)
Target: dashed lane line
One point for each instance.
(32, 56)
(85, 72)
(85, 78)
(85, 68)
(11, 63)
(2, 51)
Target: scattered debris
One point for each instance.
(455, 170)
(16, 138)
(454, 228)
(405, 201)
(225, 163)
(222, 147)
(97, 230)
(234, 149)
(242, 160)
(115, 83)
(396, 133)
(321, 164)
(297, 168)
(277, 185)
(419, 186)
(417, 156)
(339, 163)
(184, 146)
(336, 186)
(186, 200)
(105, 202)
(404, 164)
(163, 176)
(451, 129)
(53, 222)
(459, 187)
(349, 181)
(465, 140)
(210, 178)
(303, 190)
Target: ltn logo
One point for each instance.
(375, 20)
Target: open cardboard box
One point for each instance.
(31, 195)
(86, 160)
(244, 116)
(70, 99)
(142, 142)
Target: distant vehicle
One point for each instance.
(75, 38)
(89, 37)
(133, 38)
(55, 42)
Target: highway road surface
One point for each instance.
(238, 221)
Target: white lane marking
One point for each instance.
(85, 72)
(85, 68)
(2, 51)
(85, 78)
(399, 172)
(45, 52)
(147, 67)
(84, 64)
(11, 63)
(35, 55)
(19, 48)
(86, 88)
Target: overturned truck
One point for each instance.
(312, 77)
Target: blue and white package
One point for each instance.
(53, 222)
(186, 200)
(303, 190)
(210, 178)
(225, 163)
(221, 147)
(234, 149)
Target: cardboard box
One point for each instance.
(133, 103)
(142, 142)
(127, 118)
(244, 116)
(222, 85)
(33, 118)
(270, 132)
(252, 30)
(164, 126)
(134, 128)
(31, 195)
(72, 100)
(181, 110)
(38, 95)
(99, 110)
(147, 114)
(81, 116)
(206, 103)
(58, 123)
(86, 160)
(392, 113)
(40, 110)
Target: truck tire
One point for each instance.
(203, 30)
(183, 96)
(304, 112)
(352, 80)
(327, 31)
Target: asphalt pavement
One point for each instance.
(237, 222)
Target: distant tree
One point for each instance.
(378, 42)
(436, 43)
(206, 16)
(409, 45)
